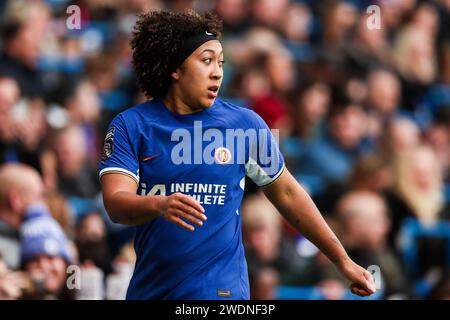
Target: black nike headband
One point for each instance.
(189, 46)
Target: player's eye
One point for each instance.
(221, 62)
(207, 60)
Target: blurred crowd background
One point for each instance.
(364, 120)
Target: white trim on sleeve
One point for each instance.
(119, 170)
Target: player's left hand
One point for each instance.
(362, 282)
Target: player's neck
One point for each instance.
(175, 104)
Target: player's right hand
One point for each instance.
(180, 209)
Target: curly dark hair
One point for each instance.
(157, 36)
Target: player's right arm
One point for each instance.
(119, 178)
(126, 207)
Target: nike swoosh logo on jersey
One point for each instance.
(151, 157)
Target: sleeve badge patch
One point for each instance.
(108, 146)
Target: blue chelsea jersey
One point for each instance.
(205, 155)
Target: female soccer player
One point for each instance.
(174, 166)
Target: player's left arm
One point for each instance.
(298, 208)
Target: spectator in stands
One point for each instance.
(251, 83)
(339, 18)
(234, 14)
(400, 134)
(268, 13)
(23, 126)
(437, 97)
(311, 109)
(45, 255)
(414, 54)
(368, 48)
(20, 187)
(297, 28)
(383, 101)
(9, 94)
(11, 282)
(123, 265)
(438, 135)
(417, 189)
(365, 225)
(308, 121)
(77, 177)
(60, 209)
(83, 107)
(102, 72)
(91, 241)
(274, 106)
(268, 249)
(371, 172)
(343, 142)
(31, 130)
(24, 27)
(264, 284)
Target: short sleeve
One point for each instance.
(119, 155)
(265, 163)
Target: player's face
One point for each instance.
(200, 76)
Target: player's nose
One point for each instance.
(217, 72)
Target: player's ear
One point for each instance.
(176, 74)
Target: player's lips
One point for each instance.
(213, 91)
